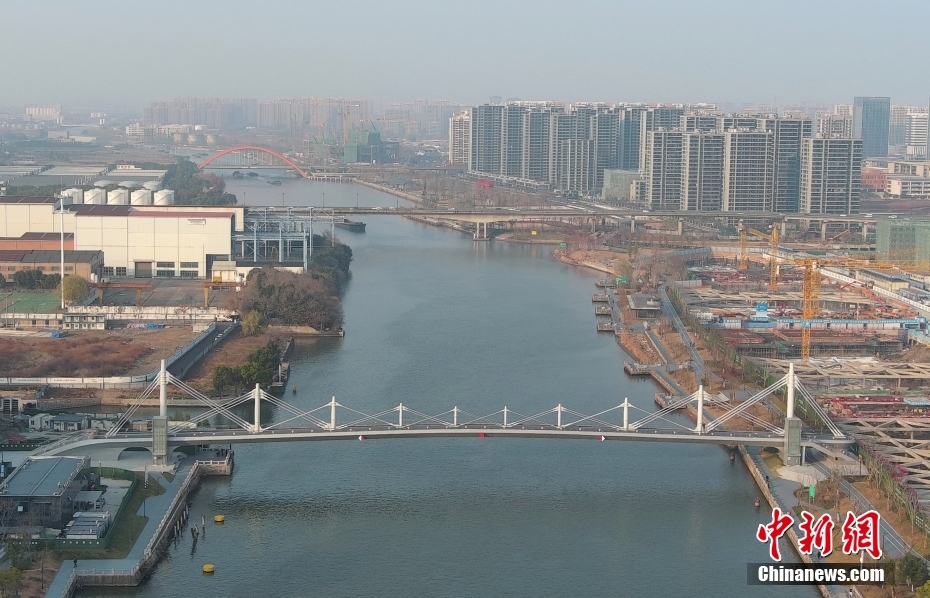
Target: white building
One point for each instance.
(137, 241)
(460, 138)
(900, 185)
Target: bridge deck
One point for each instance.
(226, 436)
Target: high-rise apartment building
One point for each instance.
(486, 135)
(843, 110)
(653, 119)
(896, 124)
(577, 165)
(788, 132)
(749, 175)
(830, 177)
(460, 138)
(662, 169)
(629, 133)
(512, 140)
(702, 171)
(915, 134)
(535, 159)
(871, 117)
(834, 125)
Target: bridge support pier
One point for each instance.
(699, 428)
(823, 230)
(332, 414)
(681, 227)
(792, 449)
(626, 414)
(160, 440)
(163, 390)
(633, 224)
(257, 398)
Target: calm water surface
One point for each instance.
(434, 320)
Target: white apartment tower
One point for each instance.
(749, 175)
(460, 138)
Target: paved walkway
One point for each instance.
(155, 508)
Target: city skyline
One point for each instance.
(404, 56)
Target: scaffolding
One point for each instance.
(283, 235)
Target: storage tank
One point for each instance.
(193, 139)
(142, 197)
(152, 185)
(165, 197)
(118, 197)
(211, 139)
(130, 184)
(176, 137)
(76, 194)
(103, 183)
(96, 197)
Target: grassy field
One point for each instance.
(40, 303)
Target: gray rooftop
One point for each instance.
(41, 476)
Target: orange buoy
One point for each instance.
(482, 435)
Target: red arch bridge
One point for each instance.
(245, 157)
(334, 421)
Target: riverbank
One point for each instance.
(165, 516)
(390, 190)
(582, 258)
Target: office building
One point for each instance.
(830, 177)
(460, 138)
(871, 118)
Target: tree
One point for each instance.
(252, 323)
(913, 570)
(74, 287)
(922, 592)
(224, 377)
(2, 279)
(10, 581)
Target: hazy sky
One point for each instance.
(129, 53)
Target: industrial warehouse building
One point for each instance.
(41, 491)
(136, 240)
(81, 263)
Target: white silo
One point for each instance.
(118, 197)
(76, 194)
(142, 197)
(211, 139)
(95, 197)
(165, 197)
(176, 137)
(193, 139)
(152, 185)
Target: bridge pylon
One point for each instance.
(257, 398)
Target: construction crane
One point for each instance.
(810, 289)
(773, 250)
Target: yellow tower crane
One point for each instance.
(743, 263)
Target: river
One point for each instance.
(435, 320)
